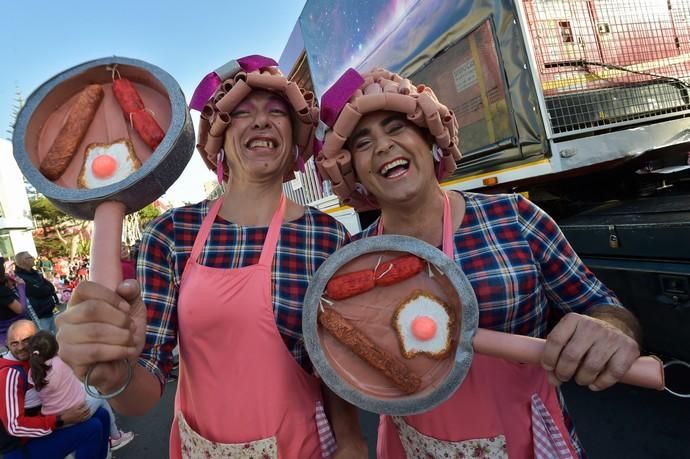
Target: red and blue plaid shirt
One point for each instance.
(523, 271)
(167, 243)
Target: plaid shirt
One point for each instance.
(167, 243)
(523, 271)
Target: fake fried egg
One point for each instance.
(108, 163)
(424, 325)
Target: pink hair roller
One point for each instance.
(400, 103)
(220, 124)
(347, 121)
(266, 81)
(234, 97)
(371, 103)
(373, 88)
(433, 123)
(335, 141)
(296, 98)
(213, 145)
(332, 170)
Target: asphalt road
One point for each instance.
(622, 422)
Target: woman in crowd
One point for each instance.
(10, 307)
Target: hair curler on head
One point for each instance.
(354, 96)
(223, 89)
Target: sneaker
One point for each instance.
(125, 438)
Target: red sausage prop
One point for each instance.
(134, 109)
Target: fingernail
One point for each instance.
(593, 388)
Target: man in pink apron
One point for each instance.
(392, 143)
(225, 280)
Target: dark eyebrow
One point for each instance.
(360, 133)
(385, 122)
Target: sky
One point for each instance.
(187, 39)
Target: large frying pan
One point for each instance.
(49, 109)
(372, 312)
(46, 110)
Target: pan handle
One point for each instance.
(645, 371)
(105, 245)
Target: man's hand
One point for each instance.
(102, 327)
(76, 414)
(594, 351)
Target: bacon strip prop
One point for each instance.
(72, 133)
(133, 107)
(355, 340)
(388, 273)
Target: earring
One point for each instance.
(299, 161)
(360, 189)
(220, 169)
(436, 152)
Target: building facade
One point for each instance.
(16, 223)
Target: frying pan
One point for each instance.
(106, 205)
(45, 111)
(362, 385)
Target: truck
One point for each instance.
(583, 106)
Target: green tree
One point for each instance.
(147, 214)
(56, 225)
(18, 104)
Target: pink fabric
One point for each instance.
(238, 382)
(63, 391)
(211, 81)
(333, 100)
(548, 440)
(495, 398)
(328, 444)
(204, 91)
(256, 62)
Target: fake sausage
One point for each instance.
(398, 269)
(133, 107)
(350, 284)
(357, 342)
(388, 273)
(72, 133)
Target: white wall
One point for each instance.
(17, 220)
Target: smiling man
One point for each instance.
(226, 278)
(394, 141)
(24, 431)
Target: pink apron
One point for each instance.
(502, 409)
(240, 392)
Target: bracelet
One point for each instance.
(98, 395)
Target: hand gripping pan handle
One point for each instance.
(645, 372)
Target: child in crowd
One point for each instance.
(58, 387)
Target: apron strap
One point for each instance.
(271, 242)
(204, 230)
(448, 245)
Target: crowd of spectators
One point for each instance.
(37, 289)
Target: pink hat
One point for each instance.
(354, 96)
(223, 89)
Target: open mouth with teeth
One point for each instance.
(260, 143)
(395, 168)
